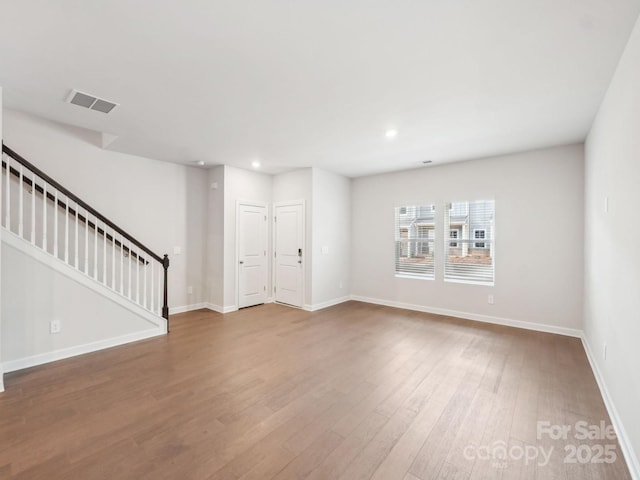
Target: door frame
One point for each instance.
(290, 203)
(249, 203)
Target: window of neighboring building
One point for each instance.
(470, 259)
(415, 241)
(454, 234)
(479, 234)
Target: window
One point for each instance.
(470, 259)
(454, 234)
(479, 234)
(415, 241)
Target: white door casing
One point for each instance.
(289, 254)
(251, 224)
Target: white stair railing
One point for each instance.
(42, 212)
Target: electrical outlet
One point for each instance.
(190, 290)
(340, 284)
(604, 351)
(490, 299)
(55, 326)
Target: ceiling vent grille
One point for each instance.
(90, 101)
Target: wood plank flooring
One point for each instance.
(351, 392)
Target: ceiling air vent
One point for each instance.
(91, 102)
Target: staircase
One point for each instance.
(39, 213)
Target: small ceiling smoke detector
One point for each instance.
(90, 101)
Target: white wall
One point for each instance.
(331, 228)
(239, 185)
(298, 185)
(214, 278)
(539, 226)
(612, 256)
(42, 289)
(162, 204)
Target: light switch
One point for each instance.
(177, 250)
(325, 250)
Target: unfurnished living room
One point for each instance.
(320, 240)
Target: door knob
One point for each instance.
(241, 262)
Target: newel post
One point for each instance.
(165, 306)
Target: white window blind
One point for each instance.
(415, 241)
(470, 258)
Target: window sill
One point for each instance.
(471, 282)
(414, 277)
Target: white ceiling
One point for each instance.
(317, 83)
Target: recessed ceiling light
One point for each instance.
(255, 164)
(200, 162)
(391, 133)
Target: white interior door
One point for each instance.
(252, 255)
(289, 255)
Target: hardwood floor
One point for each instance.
(352, 392)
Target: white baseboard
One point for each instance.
(187, 308)
(220, 309)
(327, 304)
(623, 438)
(210, 306)
(42, 358)
(538, 327)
